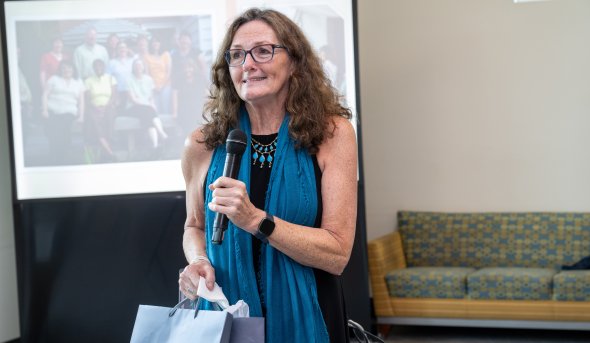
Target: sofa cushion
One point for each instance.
(428, 282)
(479, 240)
(572, 285)
(511, 283)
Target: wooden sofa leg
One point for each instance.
(383, 330)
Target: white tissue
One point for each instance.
(239, 309)
(216, 295)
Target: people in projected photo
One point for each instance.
(100, 97)
(85, 54)
(111, 45)
(188, 97)
(62, 104)
(184, 51)
(121, 68)
(159, 64)
(142, 49)
(141, 104)
(50, 61)
(292, 210)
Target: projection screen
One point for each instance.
(51, 51)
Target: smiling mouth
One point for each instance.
(254, 79)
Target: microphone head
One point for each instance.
(236, 142)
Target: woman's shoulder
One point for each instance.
(196, 154)
(195, 141)
(339, 141)
(339, 128)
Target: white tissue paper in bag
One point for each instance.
(214, 296)
(239, 309)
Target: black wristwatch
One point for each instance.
(265, 228)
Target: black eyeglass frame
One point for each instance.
(246, 52)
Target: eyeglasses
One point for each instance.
(261, 53)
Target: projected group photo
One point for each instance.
(111, 90)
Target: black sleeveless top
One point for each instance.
(329, 286)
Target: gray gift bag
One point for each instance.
(247, 330)
(155, 324)
(185, 323)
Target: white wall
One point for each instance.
(474, 106)
(9, 324)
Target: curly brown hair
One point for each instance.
(311, 100)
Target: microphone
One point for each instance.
(235, 145)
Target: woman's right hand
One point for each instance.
(189, 278)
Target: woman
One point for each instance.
(100, 94)
(112, 42)
(50, 61)
(62, 103)
(158, 65)
(188, 97)
(292, 216)
(142, 50)
(120, 67)
(141, 103)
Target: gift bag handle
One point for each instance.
(177, 306)
(173, 310)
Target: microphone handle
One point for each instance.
(230, 169)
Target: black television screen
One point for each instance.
(122, 132)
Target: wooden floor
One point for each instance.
(412, 334)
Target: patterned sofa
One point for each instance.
(483, 269)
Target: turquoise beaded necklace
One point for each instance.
(263, 153)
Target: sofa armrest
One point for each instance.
(385, 254)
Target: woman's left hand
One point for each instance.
(231, 198)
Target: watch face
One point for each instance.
(267, 226)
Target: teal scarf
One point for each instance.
(289, 289)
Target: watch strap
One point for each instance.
(265, 221)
